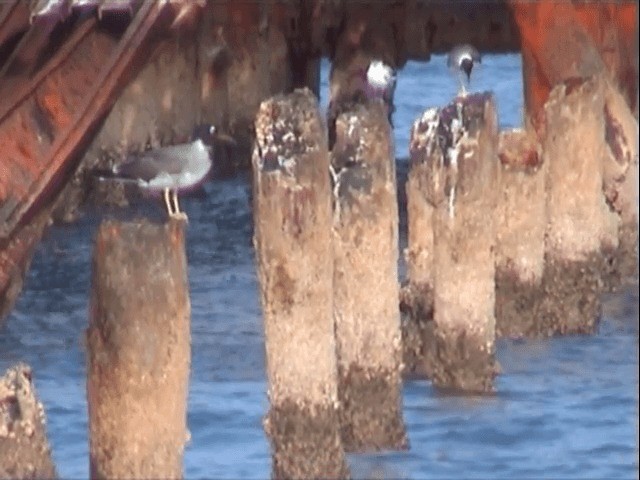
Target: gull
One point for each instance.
(171, 170)
(461, 60)
(380, 82)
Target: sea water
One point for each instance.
(564, 408)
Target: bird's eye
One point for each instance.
(212, 130)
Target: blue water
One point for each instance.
(565, 408)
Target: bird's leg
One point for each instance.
(462, 92)
(177, 213)
(167, 202)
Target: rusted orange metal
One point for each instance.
(46, 117)
(561, 40)
(44, 123)
(15, 256)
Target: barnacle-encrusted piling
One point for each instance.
(521, 223)
(621, 180)
(365, 246)
(292, 216)
(582, 231)
(460, 164)
(416, 295)
(24, 449)
(138, 351)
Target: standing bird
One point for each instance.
(172, 169)
(376, 81)
(461, 60)
(381, 81)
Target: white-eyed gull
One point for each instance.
(461, 60)
(171, 169)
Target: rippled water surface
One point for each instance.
(565, 408)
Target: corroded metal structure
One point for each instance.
(80, 77)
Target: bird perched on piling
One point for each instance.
(380, 83)
(461, 60)
(376, 81)
(172, 169)
(381, 80)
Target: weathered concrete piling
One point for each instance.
(621, 180)
(24, 449)
(365, 247)
(582, 231)
(520, 230)
(460, 143)
(416, 295)
(139, 351)
(292, 215)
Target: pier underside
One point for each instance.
(82, 83)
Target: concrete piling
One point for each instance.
(520, 230)
(461, 141)
(139, 351)
(24, 449)
(416, 295)
(621, 180)
(292, 215)
(365, 247)
(582, 232)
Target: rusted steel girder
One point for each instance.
(14, 20)
(561, 40)
(44, 123)
(47, 117)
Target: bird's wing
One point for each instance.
(150, 164)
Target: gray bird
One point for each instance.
(171, 170)
(461, 60)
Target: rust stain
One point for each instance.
(73, 69)
(53, 105)
(550, 37)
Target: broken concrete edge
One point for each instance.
(24, 448)
(371, 409)
(518, 150)
(305, 441)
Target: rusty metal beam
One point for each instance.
(15, 257)
(43, 132)
(14, 17)
(562, 40)
(26, 54)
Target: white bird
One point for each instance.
(381, 79)
(461, 60)
(380, 83)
